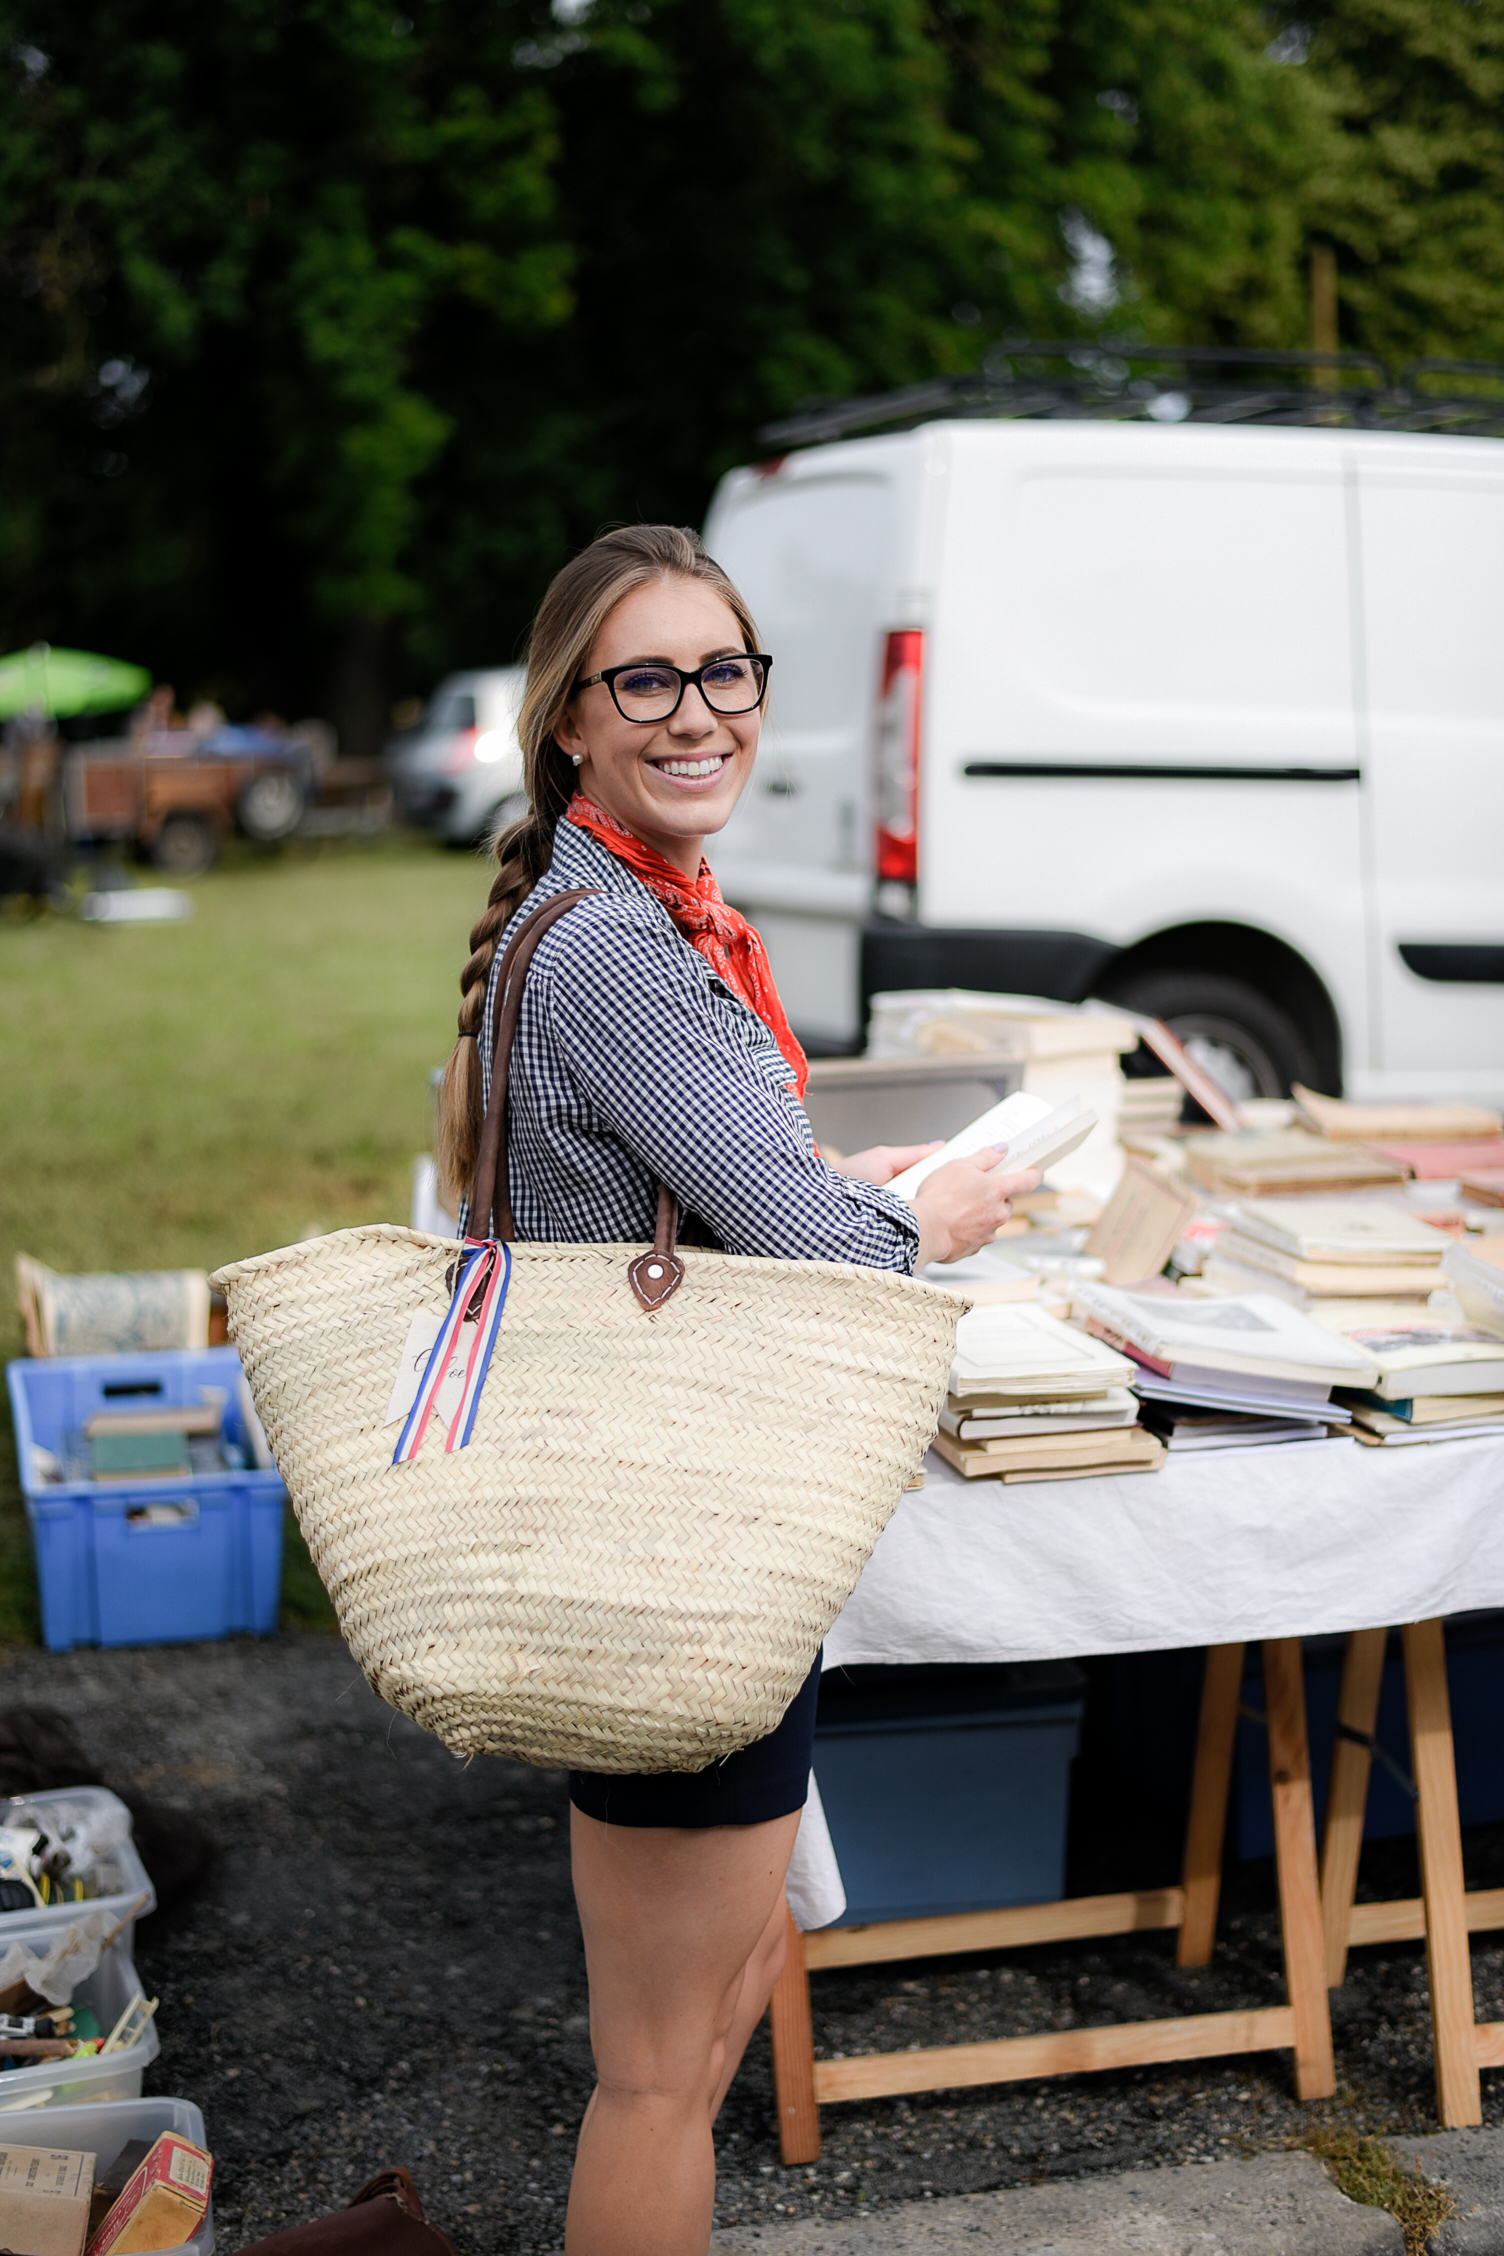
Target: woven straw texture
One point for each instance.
(633, 1563)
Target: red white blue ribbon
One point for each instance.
(485, 1272)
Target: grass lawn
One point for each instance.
(177, 1095)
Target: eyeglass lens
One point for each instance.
(650, 693)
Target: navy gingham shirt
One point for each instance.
(634, 1063)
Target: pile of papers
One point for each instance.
(1327, 1249)
(1034, 1399)
(1239, 1373)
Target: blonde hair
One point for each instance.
(579, 601)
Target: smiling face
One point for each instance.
(671, 782)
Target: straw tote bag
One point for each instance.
(620, 1548)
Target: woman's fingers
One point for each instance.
(963, 1204)
(883, 1161)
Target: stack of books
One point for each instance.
(1433, 1142)
(1240, 1373)
(1439, 1380)
(1149, 1106)
(1327, 1249)
(1034, 1399)
(1266, 1163)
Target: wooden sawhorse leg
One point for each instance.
(1444, 1914)
(1207, 1823)
(1303, 2024)
(1295, 1865)
(1347, 1794)
(1449, 1965)
(794, 2056)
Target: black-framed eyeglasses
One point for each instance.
(652, 692)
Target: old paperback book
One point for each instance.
(963, 1421)
(1368, 1232)
(1335, 1278)
(1382, 1428)
(1255, 1333)
(1024, 1354)
(1429, 1355)
(1131, 1451)
(1260, 1162)
(1430, 1409)
(1361, 1123)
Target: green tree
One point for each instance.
(328, 331)
(1412, 189)
(231, 238)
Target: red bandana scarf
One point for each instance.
(732, 947)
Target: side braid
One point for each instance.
(522, 854)
(579, 600)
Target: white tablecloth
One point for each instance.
(1220, 1545)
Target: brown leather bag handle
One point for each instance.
(655, 1275)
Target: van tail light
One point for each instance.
(461, 751)
(898, 757)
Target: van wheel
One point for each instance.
(185, 846)
(1249, 1045)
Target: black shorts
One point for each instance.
(768, 1779)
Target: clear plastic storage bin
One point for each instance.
(104, 2128)
(106, 1992)
(123, 1877)
(145, 1562)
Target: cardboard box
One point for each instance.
(164, 2203)
(44, 2200)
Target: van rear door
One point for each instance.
(1432, 533)
(816, 546)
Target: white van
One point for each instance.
(1207, 721)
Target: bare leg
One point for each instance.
(677, 1940)
(758, 1977)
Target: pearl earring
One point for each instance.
(577, 757)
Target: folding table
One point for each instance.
(1219, 1549)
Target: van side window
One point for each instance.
(817, 551)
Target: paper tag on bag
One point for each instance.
(416, 1349)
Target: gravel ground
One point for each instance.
(385, 1967)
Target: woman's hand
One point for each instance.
(883, 1162)
(964, 1204)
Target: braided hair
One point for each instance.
(579, 601)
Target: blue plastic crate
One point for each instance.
(948, 1789)
(111, 1574)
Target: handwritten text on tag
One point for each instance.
(416, 1349)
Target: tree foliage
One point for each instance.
(329, 331)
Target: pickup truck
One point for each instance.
(178, 800)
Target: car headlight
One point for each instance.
(493, 744)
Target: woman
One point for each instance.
(652, 1047)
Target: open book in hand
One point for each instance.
(1036, 1134)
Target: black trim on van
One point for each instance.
(1063, 966)
(1143, 771)
(1465, 962)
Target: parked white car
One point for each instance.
(1208, 721)
(459, 773)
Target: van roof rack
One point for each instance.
(1097, 381)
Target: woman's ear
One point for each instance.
(569, 736)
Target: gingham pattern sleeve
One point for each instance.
(634, 1064)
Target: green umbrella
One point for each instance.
(59, 683)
